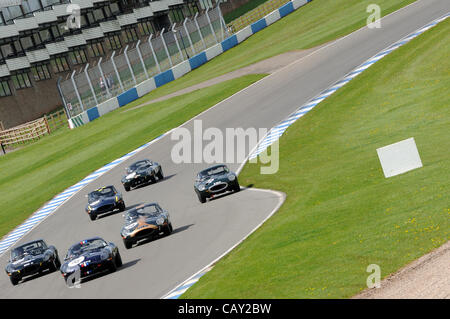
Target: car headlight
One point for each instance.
(74, 263)
(160, 221)
(47, 256)
(128, 229)
(231, 177)
(105, 255)
(201, 187)
(117, 198)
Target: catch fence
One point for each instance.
(124, 69)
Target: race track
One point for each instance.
(203, 232)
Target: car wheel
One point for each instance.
(122, 207)
(160, 174)
(57, 262)
(118, 260)
(237, 187)
(168, 230)
(14, 281)
(128, 244)
(93, 216)
(113, 266)
(127, 188)
(201, 198)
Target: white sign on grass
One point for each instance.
(399, 158)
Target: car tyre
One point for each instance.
(160, 174)
(201, 198)
(122, 207)
(93, 216)
(168, 230)
(237, 187)
(128, 244)
(113, 266)
(119, 262)
(14, 281)
(127, 188)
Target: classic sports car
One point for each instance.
(90, 257)
(31, 258)
(145, 221)
(103, 200)
(141, 172)
(215, 180)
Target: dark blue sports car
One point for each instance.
(90, 257)
(104, 200)
(31, 258)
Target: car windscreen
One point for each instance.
(99, 193)
(145, 211)
(135, 166)
(85, 245)
(34, 248)
(214, 171)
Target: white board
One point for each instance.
(399, 158)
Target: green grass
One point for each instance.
(341, 214)
(252, 4)
(316, 23)
(33, 175)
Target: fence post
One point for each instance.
(76, 90)
(115, 70)
(174, 32)
(165, 47)
(46, 124)
(189, 36)
(90, 84)
(210, 25)
(199, 31)
(140, 58)
(223, 25)
(103, 75)
(153, 52)
(61, 95)
(125, 53)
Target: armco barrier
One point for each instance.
(184, 67)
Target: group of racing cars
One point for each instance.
(93, 256)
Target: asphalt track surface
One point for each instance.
(203, 232)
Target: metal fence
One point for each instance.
(96, 83)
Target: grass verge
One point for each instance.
(242, 10)
(33, 175)
(316, 23)
(341, 214)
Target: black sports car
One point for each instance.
(31, 258)
(215, 180)
(142, 172)
(90, 257)
(145, 221)
(103, 200)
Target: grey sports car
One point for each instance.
(145, 221)
(142, 172)
(215, 180)
(31, 258)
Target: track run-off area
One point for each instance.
(203, 232)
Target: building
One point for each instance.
(37, 48)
